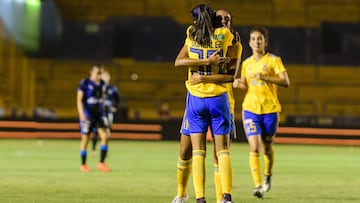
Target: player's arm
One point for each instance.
(282, 79)
(214, 78)
(183, 59)
(80, 105)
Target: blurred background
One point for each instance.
(48, 46)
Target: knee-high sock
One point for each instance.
(268, 162)
(217, 181)
(103, 152)
(198, 167)
(183, 173)
(225, 170)
(83, 154)
(255, 168)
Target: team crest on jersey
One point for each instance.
(90, 87)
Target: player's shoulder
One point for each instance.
(247, 60)
(222, 30)
(273, 56)
(84, 81)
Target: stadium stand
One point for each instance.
(325, 90)
(268, 12)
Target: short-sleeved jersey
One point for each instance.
(222, 39)
(112, 97)
(261, 96)
(93, 96)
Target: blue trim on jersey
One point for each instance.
(213, 112)
(260, 124)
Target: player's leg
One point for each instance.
(184, 165)
(270, 121)
(198, 122)
(85, 130)
(103, 133)
(253, 131)
(217, 180)
(220, 125)
(198, 141)
(95, 139)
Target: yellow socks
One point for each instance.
(183, 173)
(217, 181)
(198, 167)
(255, 168)
(225, 170)
(268, 162)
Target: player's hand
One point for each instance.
(215, 59)
(195, 78)
(260, 76)
(239, 84)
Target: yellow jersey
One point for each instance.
(221, 39)
(237, 47)
(261, 97)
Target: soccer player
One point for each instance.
(185, 155)
(207, 104)
(90, 106)
(111, 103)
(261, 74)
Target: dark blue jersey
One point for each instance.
(94, 95)
(112, 98)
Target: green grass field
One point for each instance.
(145, 171)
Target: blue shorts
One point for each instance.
(261, 124)
(213, 112)
(185, 126)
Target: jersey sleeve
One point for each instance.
(279, 66)
(82, 86)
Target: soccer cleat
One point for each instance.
(258, 192)
(201, 200)
(103, 167)
(84, 168)
(178, 199)
(267, 184)
(226, 198)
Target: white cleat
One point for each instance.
(226, 198)
(178, 199)
(267, 184)
(258, 192)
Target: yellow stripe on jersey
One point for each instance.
(261, 97)
(222, 40)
